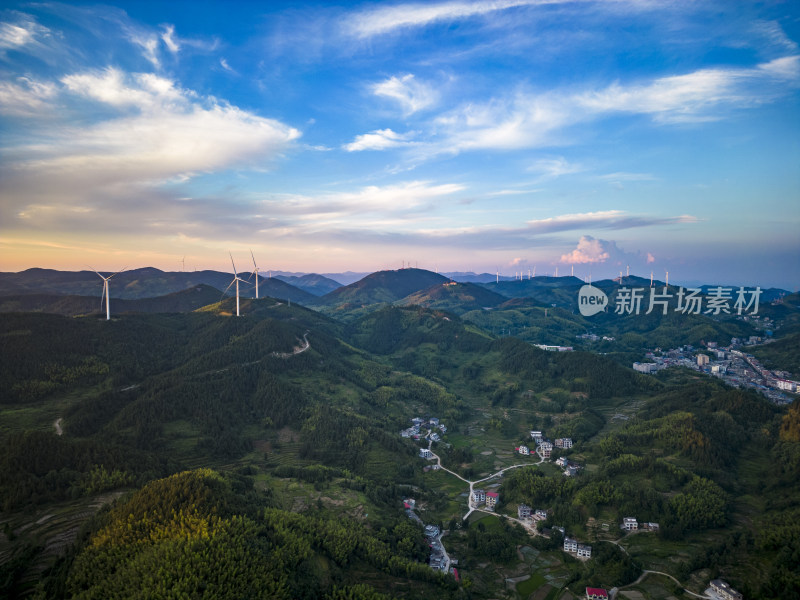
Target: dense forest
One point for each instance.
(261, 457)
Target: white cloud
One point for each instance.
(551, 168)
(169, 39)
(23, 32)
(528, 119)
(389, 18)
(410, 93)
(26, 97)
(161, 134)
(381, 139)
(589, 250)
(650, 259)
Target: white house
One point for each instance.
(425, 453)
(540, 515)
(536, 435)
(478, 496)
(570, 545)
(524, 512)
(524, 450)
(585, 551)
(564, 443)
(630, 524)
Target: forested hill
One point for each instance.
(454, 297)
(183, 301)
(303, 415)
(381, 287)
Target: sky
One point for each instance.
(487, 136)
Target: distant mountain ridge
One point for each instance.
(178, 302)
(134, 284)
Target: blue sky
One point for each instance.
(458, 136)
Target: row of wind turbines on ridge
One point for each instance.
(236, 279)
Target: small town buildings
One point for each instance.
(564, 443)
(562, 461)
(537, 435)
(596, 594)
(409, 503)
(630, 524)
(645, 367)
(492, 499)
(478, 497)
(584, 551)
(540, 515)
(435, 437)
(434, 421)
(524, 450)
(724, 590)
(443, 428)
(425, 453)
(649, 526)
(571, 471)
(545, 449)
(702, 359)
(524, 512)
(570, 545)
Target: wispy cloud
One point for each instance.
(26, 97)
(381, 139)
(551, 168)
(24, 30)
(387, 19)
(410, 93)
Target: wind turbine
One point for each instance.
(236, 280)
(105, 291)
(255, 271)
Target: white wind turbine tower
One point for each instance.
(105, 291)
(255, 271)
(236, 280)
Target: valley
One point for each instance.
(279, 432)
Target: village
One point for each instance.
(730, 363)
(481, 500)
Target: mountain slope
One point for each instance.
(383, 287)
(457, 298)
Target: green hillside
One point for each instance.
(299, 418)
(454, 297)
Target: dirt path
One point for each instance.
(646, 573)
(57, 425)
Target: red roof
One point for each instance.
(598, 592)
(455, 573)
(493, 494)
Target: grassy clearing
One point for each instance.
(527, 587)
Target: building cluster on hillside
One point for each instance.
(544, 447)
(732, 365)
(554, 348)
(631, 524)
(421, 428)
(580, 550)
(481, 497)
(570, 468)
(593, 337)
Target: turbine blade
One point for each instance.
(102, 297)
(254, 259)
(95, 270)
(232, 264)
(117, 273)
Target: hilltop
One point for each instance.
(454, 297)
